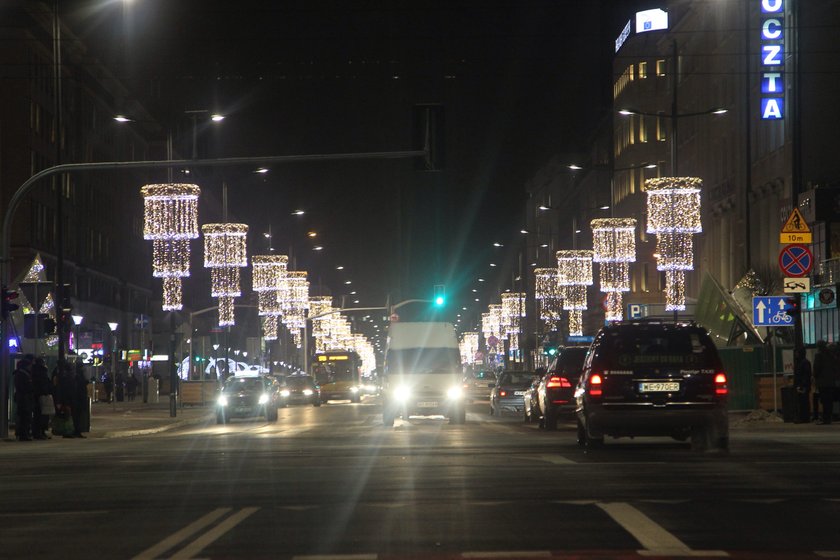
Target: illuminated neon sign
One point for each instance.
(772, 59)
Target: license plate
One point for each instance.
(427, 404)
(242, 410)
(659, 387)
(519, 393)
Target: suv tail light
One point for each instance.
(557, 382)
(502, 393)
(720, 384)
(595, 383)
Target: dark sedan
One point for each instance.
(248, 396)
(556, 391)
(508, 394)
(300, 389)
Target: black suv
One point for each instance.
(653, 379)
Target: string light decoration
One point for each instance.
(270, 327)
(319, 305)
(225, 252)
(513, 309)
(469, 347)
(267, 275)
(548, 296)
(170, 220)
(574, 274)
(614, 247)
(295, 303)
(673, 207)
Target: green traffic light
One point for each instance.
(439, 301)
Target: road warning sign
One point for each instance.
(796, 229)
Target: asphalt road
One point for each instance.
(333, 482)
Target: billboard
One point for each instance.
(651, 20)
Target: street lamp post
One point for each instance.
(113, 327)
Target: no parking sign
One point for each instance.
(795, 260)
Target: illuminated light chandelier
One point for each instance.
(469, 347)
(170, 220)
(673, 207)
(547, 294)
(267, 274)
(574, 274)
(614, 247)
(225, 252)
(295, 303)
(270, 327)
(513, 309)
(320, 305)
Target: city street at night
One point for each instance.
(333, 481)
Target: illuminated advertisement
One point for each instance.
(772, 34)
(651, 20)
(623, 37)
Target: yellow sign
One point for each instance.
(801, 238)
(796, 223)
(332, 358)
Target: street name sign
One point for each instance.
(771, 311)
(796, 229)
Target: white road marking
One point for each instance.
(181, 535)
(40, 513)
(210, 536)
(337, 557)
(655, 540)
(507, 554)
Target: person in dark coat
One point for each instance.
(24, 399)
(43, 386)
(802, 384)
(64, 381)
(131, 386)
(825, 378)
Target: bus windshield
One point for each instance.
(331, 368)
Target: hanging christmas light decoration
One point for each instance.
(270, 327)
(574, 274)
(614, 247)
(296, 303)
(548, 296)
(513, 309)
(320, 305)
(225, 252)
(170, 221)
(673, 207)
(468, 347)
(268, 273)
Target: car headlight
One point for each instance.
(402, 393)
(285, 393)
(223, 400)
(307, 392)
(455, 392)
(354, 389)
(264, 399)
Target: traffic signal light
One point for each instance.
(440, 295)
(793, 306)
(9, 305)
(550, 350)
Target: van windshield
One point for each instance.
(424, 360)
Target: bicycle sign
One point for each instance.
(771, 311)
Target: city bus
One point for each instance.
(339, 374)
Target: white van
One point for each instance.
(422, 373)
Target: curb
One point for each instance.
(148, 431)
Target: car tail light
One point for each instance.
(595, 383)
(502, 393)
(720, 384)
(557, 382)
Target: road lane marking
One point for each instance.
(655, 540)
(337, 557)
(40, 513)
(178, 536)
(508, 554)
(210, 536)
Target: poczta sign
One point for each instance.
(772, 59)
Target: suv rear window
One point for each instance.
(569, 360)
(626, 348)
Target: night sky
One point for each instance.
(520, 81)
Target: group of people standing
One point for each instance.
(823, 376)
(39, 396)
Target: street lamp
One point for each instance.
(113, 327)
(77, 320)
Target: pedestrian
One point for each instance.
(64, 381)
(802, 385)
(107, 385)
(24, 398)
(81, 402)
(825, 378)
(131, 386)
(44, 399)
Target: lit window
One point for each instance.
(642, 70)
(660, 129)
(643, 134)
(660, 67)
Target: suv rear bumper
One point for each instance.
(649, 420)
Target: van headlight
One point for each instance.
(402, 393)
(263, 399)
(354, 389)
(307, 392)
(223, 400)
(285, 393)
(455, 392)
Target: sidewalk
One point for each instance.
(134, 418)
